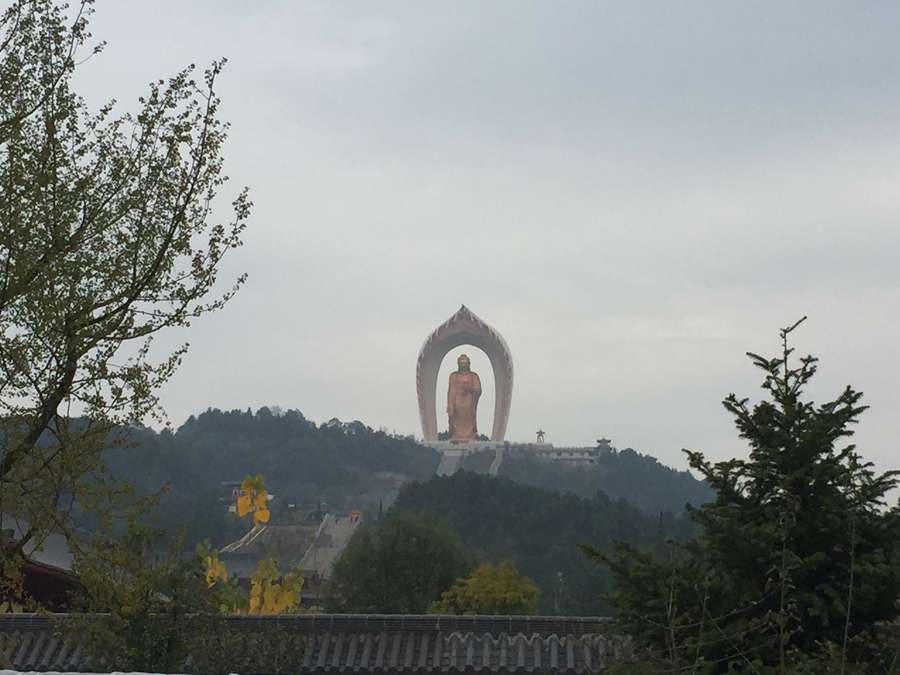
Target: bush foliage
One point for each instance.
(490, 590)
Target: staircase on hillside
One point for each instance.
(450, 461)
(331, 538)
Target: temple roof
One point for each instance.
(351, 643)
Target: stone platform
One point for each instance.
(452, 454)
(469, 446)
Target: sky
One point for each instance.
(633, 194)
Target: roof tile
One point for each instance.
(380, 644)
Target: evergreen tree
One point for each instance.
(397, 566)
(797, 550)
(538, 530)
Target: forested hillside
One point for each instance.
(345, 465)
(640, 479)
(540, 530)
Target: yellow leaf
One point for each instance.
(261, 516)
(215, 570)
(243, 504)
(269, 600)
(286, 601)
(261, 499)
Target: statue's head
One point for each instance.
(463, 362)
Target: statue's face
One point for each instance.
(463, 362)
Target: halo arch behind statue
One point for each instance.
(463, 328)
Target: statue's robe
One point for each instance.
(462, 403)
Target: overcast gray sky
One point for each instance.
(633, 194)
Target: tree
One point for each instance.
(106, 239)
(158, 608)
(625, 473)
(396, 566)
(254, 499)
(270, 592)
(148, 608)
(539, 530)
(147, 598)
(490, 590)
(798, 550)
(304, 463)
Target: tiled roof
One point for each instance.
(377, 643)
(52, 548)
(287, 543)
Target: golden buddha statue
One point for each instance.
(462, 402)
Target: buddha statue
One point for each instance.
(462, 402)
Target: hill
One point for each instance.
(640, 479)
(540, 530)
(344, 465)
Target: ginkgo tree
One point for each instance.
(270, 591)
(253, 499)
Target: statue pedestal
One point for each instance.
(467, 447)
(452, 454)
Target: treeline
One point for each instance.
(344, 465)
(540, 531)
(626, 474)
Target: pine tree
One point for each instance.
(790, 528)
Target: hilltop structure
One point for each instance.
(466, 328)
